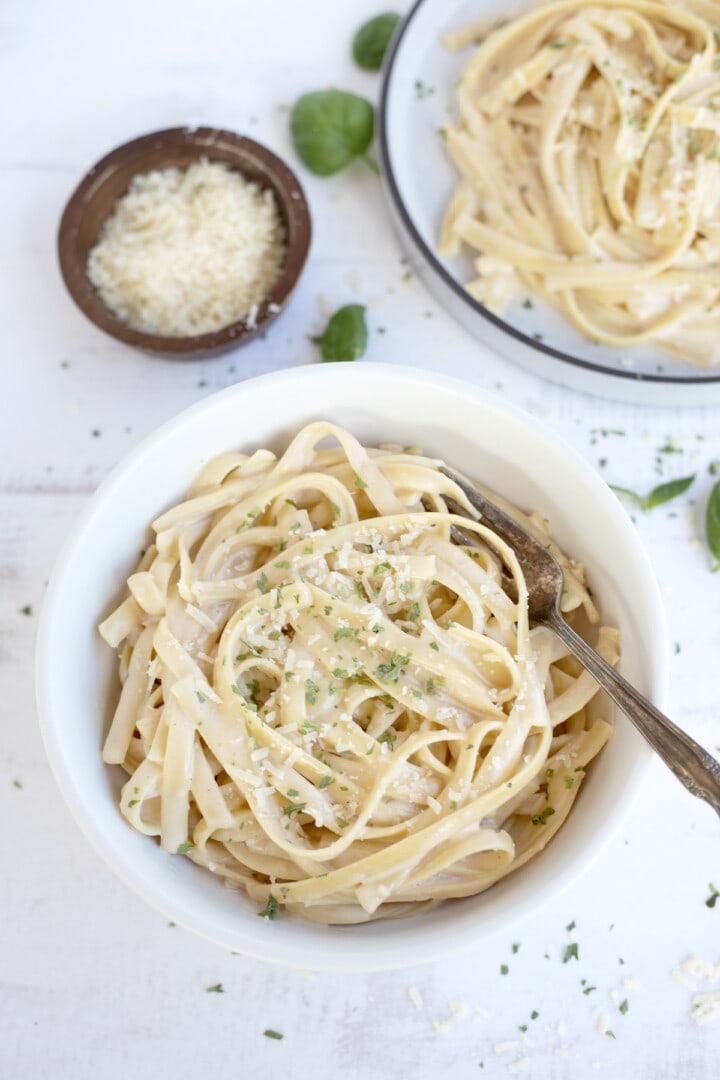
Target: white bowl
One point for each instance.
(418, 98)
(475, 431)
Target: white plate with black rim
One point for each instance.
(418, 99)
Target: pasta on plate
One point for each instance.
(328, 703)
(588, 147)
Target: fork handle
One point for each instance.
(693, 766)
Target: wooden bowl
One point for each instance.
(93, 200)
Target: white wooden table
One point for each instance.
(92, 982)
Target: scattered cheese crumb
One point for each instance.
(516, 1066)
(457, 1011)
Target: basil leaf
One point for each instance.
(372, 39)
(661, 494)
(665, 492)
(712, 524)
(330, 128)
(345, 336)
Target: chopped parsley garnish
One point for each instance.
(515, 947)
(359, 482)
(541, 819)
(284, 565)
(182, 849)
(262, 581)
(27, 610)
(271, 910)
(432, 684)
(570, 926)
(292, 793)
(391, 672)
(504, 969)
(571, 952)
(216, 989)
(200, 697)
(311, 691)
(389, 737)
(589, 990)
(712, 898)
(383, 566)
(340, 673)
(569, 781)
(342, 823)
(326, 781)
(294, 808)
(345, 632)
(18, 785)
(270, 1034)
(534, 1014)
(623, 1006)
(434, 645)
(414, 613)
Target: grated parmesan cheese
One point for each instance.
(189, 251)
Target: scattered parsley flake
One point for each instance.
(17, 784)
(294, 808)
(391, 672)
(182, 849)
(541, 819)
(434, 645)
(326, 781)
(712, 898)
(570, 926)
(200, 697)
(27, 610)
(216, 989)
(262, 582)
(515, 947)
(270, 1034)
(359, 482)
(271, 910)
(534, 1014)
(623, 1006)
(571, 952)
(504, 969)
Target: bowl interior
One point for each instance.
(77, 678)
(418, 101)
(108, 180)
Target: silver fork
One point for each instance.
(693, 766)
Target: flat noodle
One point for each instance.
(588, 146)
(328, 703)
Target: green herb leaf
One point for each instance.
(216, 989)
(27, 610)
(712, 524)
(571, 953)
(345, 337)
(270, 1034)
(623, 1006)
(294, 808)
(330, 128)
(261, 582)
(504, 969)
(712, 898)
(665, 492)
(541, 819)
(182, 849)
(271, 910)
(326, 781)
(661, 494)
(372, 39)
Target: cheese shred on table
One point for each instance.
(188, 251)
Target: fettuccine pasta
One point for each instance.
(588, 147)
(331, 705)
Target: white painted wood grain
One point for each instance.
(92, 982)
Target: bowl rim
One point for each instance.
(287, 189)
(448, 279)
(360, 955)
